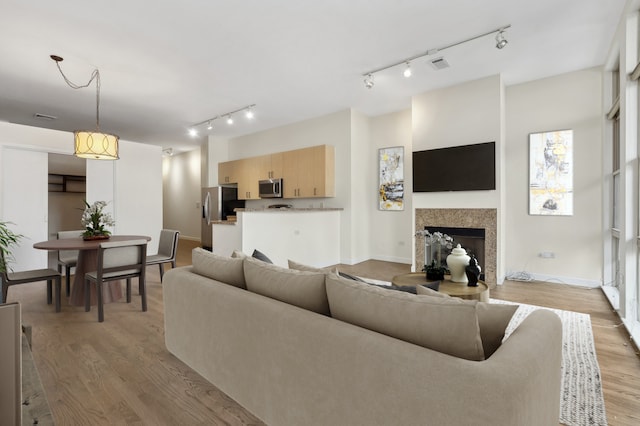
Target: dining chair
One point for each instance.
(117, 261)
(68, 258)
(31, 276)
(167, 250)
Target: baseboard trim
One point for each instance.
(186, 237)
(393, 259)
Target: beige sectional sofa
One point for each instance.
(299, 348)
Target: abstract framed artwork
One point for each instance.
(391, 178)
(551, 173)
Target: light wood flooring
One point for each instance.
(119, 371)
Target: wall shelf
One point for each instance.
(67, 183)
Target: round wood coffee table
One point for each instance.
(461, 290)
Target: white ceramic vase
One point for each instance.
(456, 262)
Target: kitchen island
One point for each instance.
(306, 235)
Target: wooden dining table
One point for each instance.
(88, 262)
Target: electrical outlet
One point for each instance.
(547, 255)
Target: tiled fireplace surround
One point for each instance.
(462, 218)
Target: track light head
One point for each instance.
(368, 81)
(209, 125)
(193, 132)
(249, 113)
(229, 120)
(501, 41)
(407, 70)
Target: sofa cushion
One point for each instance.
(228, 270)
(300, 288)
(238, 254)
(428, 290)
(445, 325)
(493, 320)
(300, 267)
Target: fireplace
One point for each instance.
(470, 239)
(460, 222)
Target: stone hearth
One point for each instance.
(486, 219)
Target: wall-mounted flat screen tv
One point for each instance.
(455, 168)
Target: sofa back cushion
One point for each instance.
(492, 319)
(303, 289)
(446, 325)
(220, 268)
(302, 267)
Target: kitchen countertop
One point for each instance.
(292, 209)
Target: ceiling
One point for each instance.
(166, 65)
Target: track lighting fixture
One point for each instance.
(407, 70)
(368, 81)
(228, 115)
(501, 42)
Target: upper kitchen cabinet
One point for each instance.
(249, 176)
(270, 166)
(309, 172)
(229, 171)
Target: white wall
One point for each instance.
(364, 189)
(460, 115)
(391, 231)
(134, 184)
(181, 193)
(568, 101)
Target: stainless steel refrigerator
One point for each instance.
(218, 202)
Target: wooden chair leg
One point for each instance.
(87, 295)
(49, 292)
(143, 293)
(100, 303)
(57, 295)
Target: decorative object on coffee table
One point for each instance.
(457, 261)
(480, 292)
(472, 271)
(434, 267)
(94, 219)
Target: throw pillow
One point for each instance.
(303, 289)
(238, 254)
(257, 254)
(225, 269)
(300, 267)
(445, 325)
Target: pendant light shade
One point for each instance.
(95, 145)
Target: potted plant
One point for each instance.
(434, 243)
(94, 219)
(8, 238)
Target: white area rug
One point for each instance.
(581, 400)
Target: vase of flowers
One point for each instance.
(94, 219)
(434, 243)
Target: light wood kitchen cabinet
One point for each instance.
(270, 166)
(306, 173)
(229, 171)
(249, 174)
(309, 172)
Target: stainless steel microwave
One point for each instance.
(270, 188)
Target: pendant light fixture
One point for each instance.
(92, 144)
